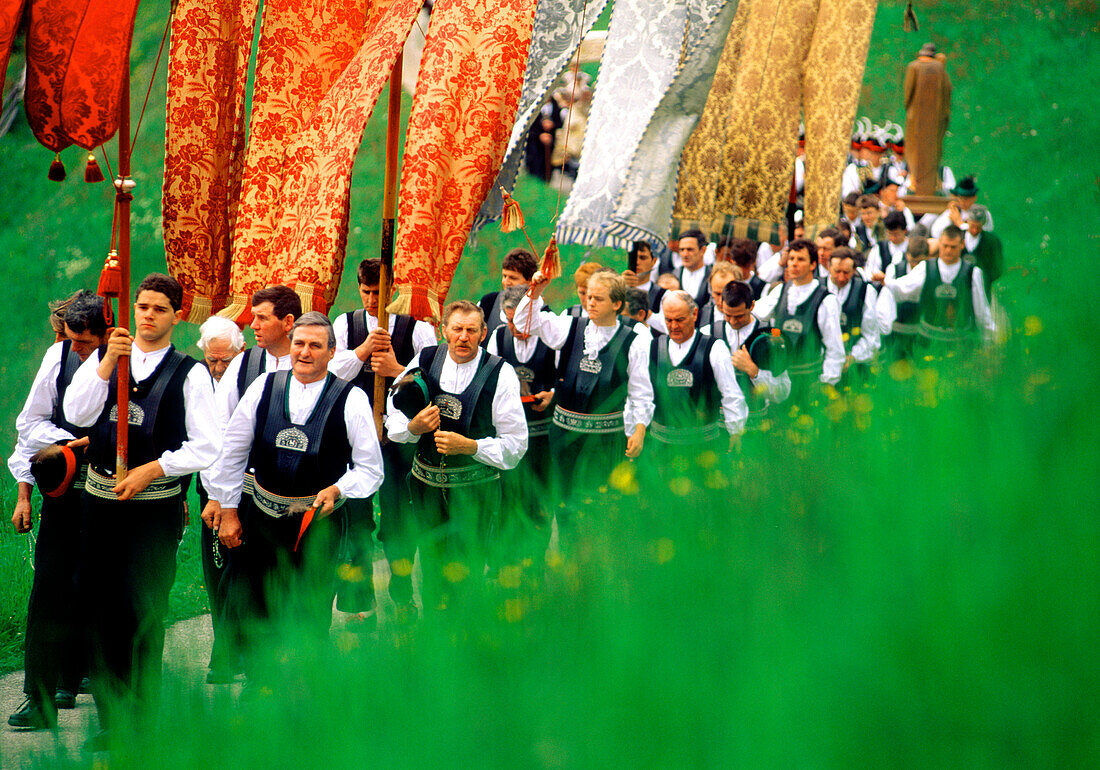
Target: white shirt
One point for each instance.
(971, 241)
(828, 322)
(86, 398)
(506, 449)
(734, 409)
(875, 261)
(692, 280)
(864, 350)
(944, 219)
(225, 480)
(776, 388)
(525, 348)
(554, 331)
(225, 393)
(346, 365)
(908, 289)
(34, 426)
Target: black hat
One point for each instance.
(55, 467)
(966, 188)
(410, 393)
(928, 49)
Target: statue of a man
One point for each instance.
(927, 108)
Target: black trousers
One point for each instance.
(523, 531)
(397, 525)
(226, 650)
(275, 590)
(56, 652)
(455, 527)
(127, 568)
(584, 462)
(355, 574)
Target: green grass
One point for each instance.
(908, 579)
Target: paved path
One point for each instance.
(186, 654)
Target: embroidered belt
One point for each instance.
(101, 485)
(682, 436)
(808, 367)
(588, 423)
(450, 478)
(900, 328)
(943, 334)
(538, 427)
(278, 506)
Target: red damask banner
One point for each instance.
(204, 145)
(91, 96)
(311, 237)
(11, 13)
(51, 36)
(465, 104)
(304, 47)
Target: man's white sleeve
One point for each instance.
(734, 409)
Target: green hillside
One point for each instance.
(910, 578)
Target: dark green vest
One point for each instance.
(804, 340)
(947, 309)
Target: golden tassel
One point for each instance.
(512, 217)
(551, 260)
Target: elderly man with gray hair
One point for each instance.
(983, 247)
(298, 444)
(695, 388)
(220, 340)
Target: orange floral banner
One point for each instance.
(311, 237)
(51, 35)
(204, 145)
(465, 104)
(11, 13)
(304, 47)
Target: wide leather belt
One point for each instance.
(443, 477)
(942, 334)
(808, 367)
(900, 328)
(100, 484)
(588, 423)
(683, 436)
(278, 506)
(538, 427)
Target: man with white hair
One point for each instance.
(695, 386)
(220, 341)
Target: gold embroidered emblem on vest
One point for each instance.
(591, 365)
(680, 378)
(449, 406)
(792, 325)
(293, 439)
(135, 415)
(525, 374)
(946, 291)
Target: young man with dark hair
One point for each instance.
(750, 352)
(641, 273)
(273, 312)
(473, 428)
(891, 249)
(365, 351)
(953, 306)
(869, 230)
(55, 644)
(743, 254)
(694, 276)
(299, 440)
(858, 325)
(518, 267)
(899, 322)
(637, 308)
(809, 319)
(132, 525)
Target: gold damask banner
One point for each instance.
(782, 58)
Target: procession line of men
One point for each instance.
(288, 460)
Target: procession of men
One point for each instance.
(496, 434)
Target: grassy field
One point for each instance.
(909, 578)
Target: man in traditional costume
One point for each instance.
(472, 428)
(131, 526)
(51, 448)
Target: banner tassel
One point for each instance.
(57, 169)
(92, 173)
